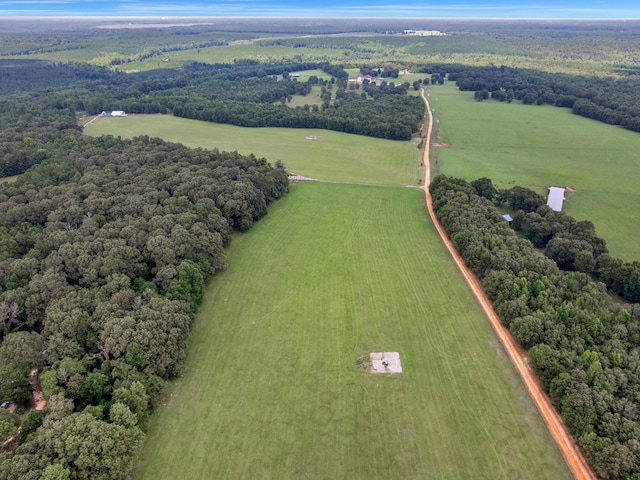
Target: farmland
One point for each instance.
(327, 155)
(118, 262)
(541, 146)
(277, 385)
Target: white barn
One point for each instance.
(114, 113)
(555, 198)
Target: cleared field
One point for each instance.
(542, 146)
(312, 98)
(277, 384)
(228, 53)
(329, 155)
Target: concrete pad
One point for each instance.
(385, 362)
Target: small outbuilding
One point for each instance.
(114, 113)
(508, 218)
(555, 198)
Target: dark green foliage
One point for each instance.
(23, 349)
(584, 347)
(391, 114)
(87, 447)
(9, 423)
(14, 385)
(520, 198)
(335, 71)
(484, 187)
(241, 94)
(571, 244)
(32, 422)
(188, 284)
(138, 213)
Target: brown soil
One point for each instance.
(570, 451)
(37, 401)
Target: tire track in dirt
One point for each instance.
(570, 451)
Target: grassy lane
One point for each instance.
(329, 156)
(540, 146)
(277, 386)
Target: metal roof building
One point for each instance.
(556, 198)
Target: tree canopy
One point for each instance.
(100, 286)
(584, 346)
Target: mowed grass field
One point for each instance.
(277, 383)
(542, 146)
(331, 156)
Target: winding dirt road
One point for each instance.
(572, 454)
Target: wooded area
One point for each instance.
(582, 345)
(101, 274)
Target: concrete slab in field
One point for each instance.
(385, 362)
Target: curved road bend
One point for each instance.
(572, 455)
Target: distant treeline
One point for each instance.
(100, 273)
(246, 93)
(584, 346)
(33, 131)
(615, 101)
(252, 96)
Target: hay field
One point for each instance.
(277, 383)
(541, 146)
(332, 156)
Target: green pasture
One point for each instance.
(306, 74)
(8, 179)
(330, 155)
(229, 53)
(541, 146)
(277, 385)
(312, 98)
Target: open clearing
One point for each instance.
(278, 383)
(540, 146)
(8, 179)
(331, 156)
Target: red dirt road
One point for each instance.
(570, 451)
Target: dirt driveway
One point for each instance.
(572, 454)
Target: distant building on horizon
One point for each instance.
(424, 33)
(555, 198)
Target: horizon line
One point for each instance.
(317, 17)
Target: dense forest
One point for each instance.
(245, 94)
(100, 275)
(615, 101)
(582, 344)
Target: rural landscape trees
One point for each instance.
(100, 289)
(611, 100)
(583, 345)
(107, 244)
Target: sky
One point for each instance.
(578, 9)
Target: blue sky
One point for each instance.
(625, 9)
